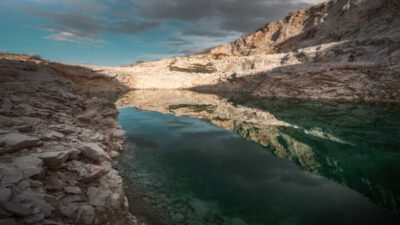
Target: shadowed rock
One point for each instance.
(16, 141)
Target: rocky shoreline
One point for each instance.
(58, 135)
(58, 123)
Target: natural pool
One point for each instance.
(259, 162)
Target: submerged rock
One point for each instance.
(85, 215)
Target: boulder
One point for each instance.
(46, 203)
(16, 209)
(23, 185)
(54, 159)
(53, 136)
(9, 174)
(86, 172)
(114, 154)
(68, 210)
(96, 173)
(94, 152)
(73, 190)
(24, 128)
(54, 184)
(118, 133)
(98, 197)
(118, 201)
(85, 215)
(16, 141)
(72, 198)
(63, 128)
(91, 115)
(109, 111)
(29, 165)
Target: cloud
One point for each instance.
(84, 21)
(226, 15)
(187, 45)
(208, 23)
(70, 37)
(205, 21)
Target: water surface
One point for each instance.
(260, 162)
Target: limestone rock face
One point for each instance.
(305, 55)
(44, 177)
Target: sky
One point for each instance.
(121, 32)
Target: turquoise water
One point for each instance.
(182, 170)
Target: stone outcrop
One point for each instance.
(340, 49)
(58, 130)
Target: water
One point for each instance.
(259, 162)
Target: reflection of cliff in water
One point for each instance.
(353, 144)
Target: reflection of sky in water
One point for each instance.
(234, 177)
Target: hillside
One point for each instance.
(340, 49)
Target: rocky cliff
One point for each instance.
(58, 135)
(340, 49)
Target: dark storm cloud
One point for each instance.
(230, 15)
(90, 23)
(85, 21)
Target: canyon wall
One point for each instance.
(340, 49)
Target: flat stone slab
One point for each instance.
(29, 165)
(16, 141)
(9, 174)
(55, 159)
(53, 136)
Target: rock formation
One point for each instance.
(58, 132)
(340, 49)
(58, 128)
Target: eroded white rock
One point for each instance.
(94, 152)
